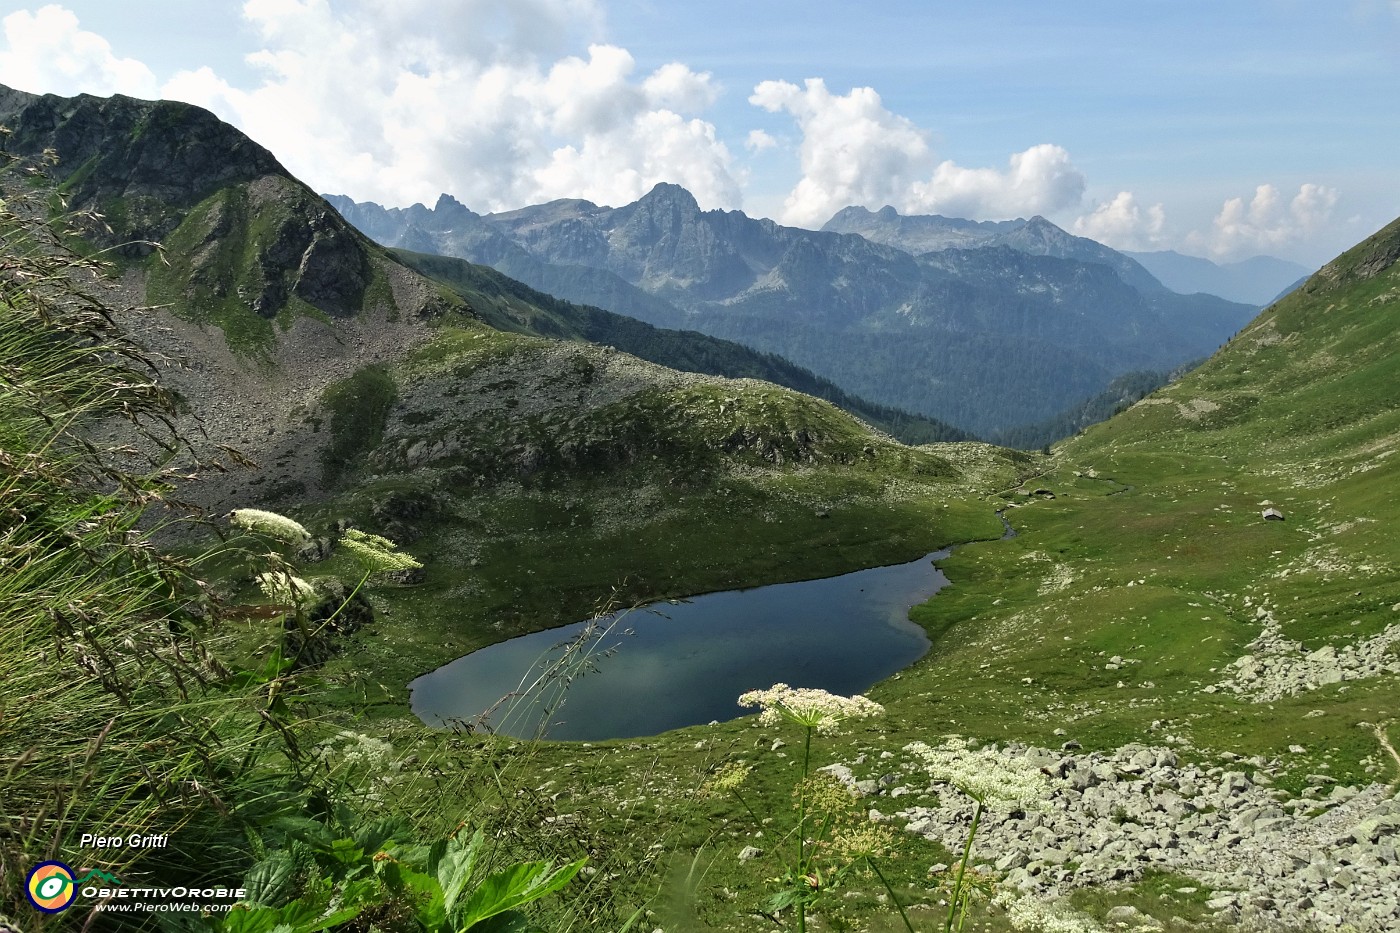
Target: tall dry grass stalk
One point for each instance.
(114, 717)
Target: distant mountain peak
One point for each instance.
(447, 204)
(668, 193)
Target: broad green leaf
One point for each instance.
(304, 914)
(511, 888)
(245, 919)
(373, 836)
(270, 880)
(454, 869)
(300, 916)
(332, 920)
(430, 913)
(345, 852)
(390, 873)
(435, 854)
(361, 891)
(512, 921)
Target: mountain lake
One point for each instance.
(685, 662)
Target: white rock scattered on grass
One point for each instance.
(1278, 667)
(1113, 816)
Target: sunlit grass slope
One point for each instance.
(1155, 550)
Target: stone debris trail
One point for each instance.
(1322, 861)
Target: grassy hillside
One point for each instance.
(539, 478)
(509, 305)
(1155, 549)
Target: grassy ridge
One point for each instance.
(538, 480)
(511, 306)
(1155, 547)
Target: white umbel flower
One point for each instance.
(285, 588)
(376, 554)
(990, 778)
(808, 707)
(270, 524)
(1028, 913)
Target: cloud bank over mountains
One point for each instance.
(855, 151)
(514, 102)
(1267, 223)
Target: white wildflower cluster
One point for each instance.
(355, 749)
(270, 524)
(727, 779)
(1029, 913)
(808, 707)
(993, 780)
(376, 554)
(285, 588)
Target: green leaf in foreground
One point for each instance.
(513, 887)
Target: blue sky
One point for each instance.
(1223, 129)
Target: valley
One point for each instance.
(1061, 316)
(1209, 693)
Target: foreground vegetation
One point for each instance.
(130, 706)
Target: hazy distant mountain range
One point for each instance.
(1257, 281)
(1005, 324)
(1261, 280)
(1039, 237)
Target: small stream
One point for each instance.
(685, 662)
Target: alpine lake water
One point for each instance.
(682, 663)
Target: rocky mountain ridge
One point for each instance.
(919, 234)
(982, 338)
(269, 303)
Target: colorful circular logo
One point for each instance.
(50, 887)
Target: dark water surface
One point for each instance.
(689, 664)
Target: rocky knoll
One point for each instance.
(138, 162)
(1323, 860)
(264, 295)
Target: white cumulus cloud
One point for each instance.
(758, 140)
(1040, 180)
(1123, 223)
(854, 150)
(501, 103)
(1267, 222)
(47, 52)
(482, 104)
